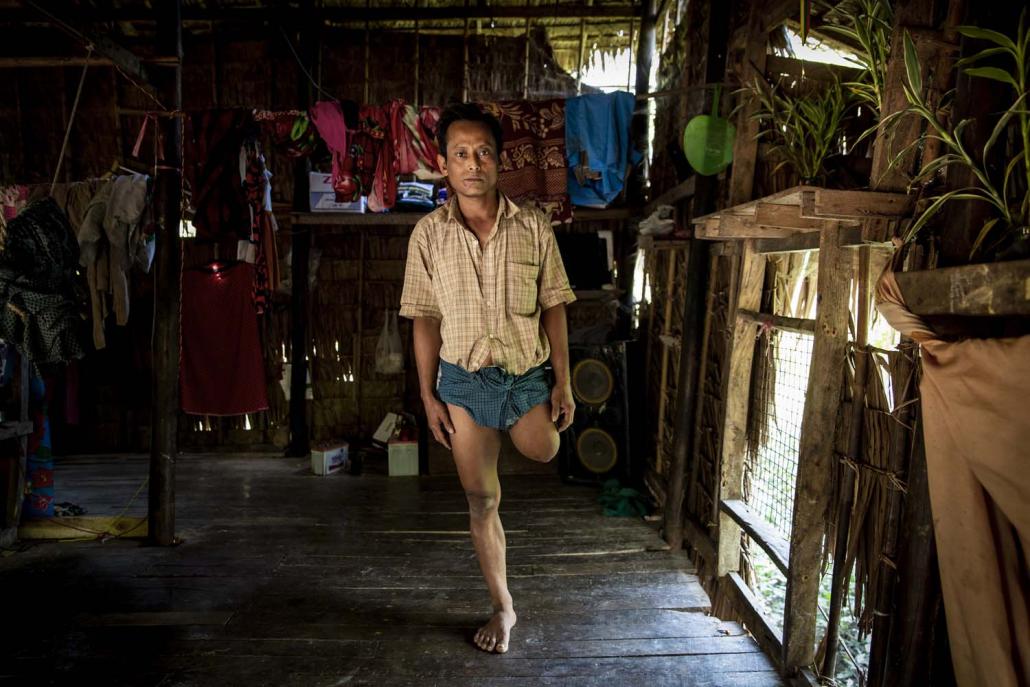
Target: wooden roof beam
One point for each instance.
(121, 57)
(372, 14)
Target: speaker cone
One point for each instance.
(596, 450)
(592, 381)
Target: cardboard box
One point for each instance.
(322, 197)
(403, 458)
(326, 461)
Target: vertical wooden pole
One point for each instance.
(167, 269)
(687, 390)
(465, 81)
(525, 62)
(738, 393)
(629, 69)
(418, 62)
(641, 123)
(847, 479)
(300, 242)
(745, 146)
(815, 452)
(582, 51)
(359, 367)
(663, 395)
(702, 385)
(367, 62)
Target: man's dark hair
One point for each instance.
(466, 112)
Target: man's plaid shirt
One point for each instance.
(488, 299)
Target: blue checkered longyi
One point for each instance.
(493, 397)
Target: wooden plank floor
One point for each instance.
(285, 578)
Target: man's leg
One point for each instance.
(476, 450)
(534, 435)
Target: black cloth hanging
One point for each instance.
(41, 294)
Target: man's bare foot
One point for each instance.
(494, 635)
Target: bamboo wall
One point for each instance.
(222, 69)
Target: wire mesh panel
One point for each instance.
(780, 386)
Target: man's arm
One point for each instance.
(557, 330)
(427, 358)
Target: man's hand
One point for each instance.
(439, 421)
(562, 404)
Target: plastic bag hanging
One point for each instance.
(389, 354)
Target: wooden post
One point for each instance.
(687, 391)
(745, 146)
(418, 62)
(368, 50)
(525, 62)
(300, 243)
(641, 123)
(702, 376)
(164, 424)
(847, 475)
(13, 468)
(465, 82)
(815, 452)
(629, 68)
(582, 50)
(670, 279)
(359, 355)
(738, 393)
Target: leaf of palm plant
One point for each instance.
(1003, 123)
(968, 193)
(982, 55)
(988, 35)
(1009, 168)
(984, 231)
(915, 79)
(994, 74)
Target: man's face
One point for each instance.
(471, 162)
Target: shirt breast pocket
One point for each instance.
(522, 287)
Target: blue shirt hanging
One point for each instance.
(598, 146)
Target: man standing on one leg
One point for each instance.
(486, 288)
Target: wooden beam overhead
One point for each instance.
(360, 14)
(121, 57)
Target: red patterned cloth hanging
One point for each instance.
(532, 160)
(263, 252)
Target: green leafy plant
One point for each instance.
(1008, 193)
(866, 25)
(803, 128)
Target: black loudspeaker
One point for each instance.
(597, 445)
